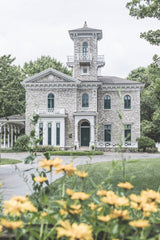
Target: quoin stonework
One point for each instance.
(87, 109)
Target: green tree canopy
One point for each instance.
(150, 99)
(143, 9)
(43, 63)
(12, 94)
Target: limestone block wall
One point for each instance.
(92, 48)
(63, 98)
(117, 116)
(92, 99)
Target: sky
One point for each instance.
(32, 28)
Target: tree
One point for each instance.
(12, 94)
(43, 63)
(150, 99)
(143, 9)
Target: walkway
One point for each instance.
(13, 182)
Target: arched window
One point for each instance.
(50, 101)
(85, 48)
(107, 102)
(85, 100)
(127, 102)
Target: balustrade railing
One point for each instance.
(51, 111)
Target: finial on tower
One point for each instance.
(85, 24)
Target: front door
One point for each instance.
(85, 134)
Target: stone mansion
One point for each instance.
(85, 109)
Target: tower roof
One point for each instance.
(84, 31)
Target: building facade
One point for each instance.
(87, 109)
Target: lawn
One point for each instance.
(143, 174)
(5, 161)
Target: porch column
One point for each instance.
(76, 135)
(8, 128)
(15, 136)
(4, 136)
(92, 135)
(11, 135)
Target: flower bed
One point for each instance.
(74, 214)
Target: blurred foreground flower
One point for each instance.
(125, 185)
(140, 223)
(40, 179)
(11, 224)
(74, 231)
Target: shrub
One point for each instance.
(78, 153)
(22, 143)
(145, 142)
(40, 148)
(151, 149)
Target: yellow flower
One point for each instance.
(68, 168)
(73, 206)
(102, 192)
(92, 206)
(46, 164)
(105, 218)
(63, 212)
(136, 198)
(69, 191)
(124, 214)
(20, 198)
(149, 207)
(81, 174)
(0, 184)
(135, 205)
(28, 206)
(139, 223)
(125, 185)
(56, 162)
(74, 231)
(75, 209)
(80, 195)
(151, 195)
(40, 179)
(14, 207)
(110, 198)
(11, 224)
(121, 201)
(44, 214)
(1, 228)
(63, 203)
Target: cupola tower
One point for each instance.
(86, 61)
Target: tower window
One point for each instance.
(85, 100)
(84, 70)
(85, 48)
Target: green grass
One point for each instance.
(5, 161)
(142, 174)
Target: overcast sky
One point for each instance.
(31, 28)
